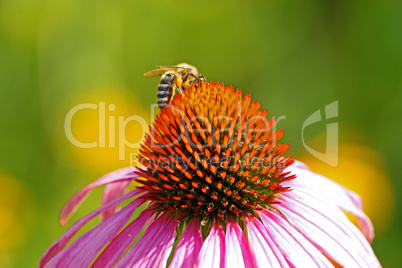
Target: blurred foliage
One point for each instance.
(293, 56)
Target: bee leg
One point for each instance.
(178, 82)
(180, 89)
(193, 76)
(200, 78)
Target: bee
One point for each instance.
(175, 78)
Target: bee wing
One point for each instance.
(156, 72)
(163, 69)
(174, 67)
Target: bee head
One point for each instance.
(202, 78)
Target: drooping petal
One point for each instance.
(186, 253)
(329, 229)
(120, 243)
(110, 193)
(318, 186)
(84, 250)
(212, 254)
(310, 226)
(295, 248)
(60, 243)
(154, 247)
(263, 249)
(306, 194)
(237, 252)
(124, 174)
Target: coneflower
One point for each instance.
(219, 193)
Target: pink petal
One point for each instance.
(293, 246)
(213, 250)
(154, 247)
(186, 253)
(237, 252)
(328, 228)
(333, 192)
(264, 250)
(115, 176)
(60, 243)
(324, 241)
(298, 165)
(82, 252)
(120, 243)
(110, 193)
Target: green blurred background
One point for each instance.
(295, 57)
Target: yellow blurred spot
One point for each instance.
(361, 170)
(12, 233)
(16, 212)
(107, 128)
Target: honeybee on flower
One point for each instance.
(175, 78)
(202, 194)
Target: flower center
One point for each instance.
(213, 154)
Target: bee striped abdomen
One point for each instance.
(165, 90)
